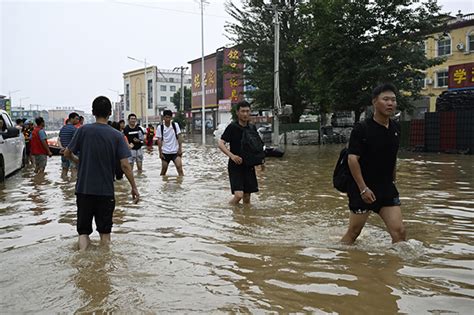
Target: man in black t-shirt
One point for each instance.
(373, 148)
(243, 180)
(135, 136)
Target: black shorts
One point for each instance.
(242, 178)
(99, 207)
(358, 206)
(170, 157)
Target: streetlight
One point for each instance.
(181, 101)
(118, 97)
(10, 96)
(21, 108)
(146, 89)
(203, 90)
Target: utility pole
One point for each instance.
(181, 101)
(146, 96)
(276, 84)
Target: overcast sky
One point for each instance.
(64, 53)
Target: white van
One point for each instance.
(12, 146)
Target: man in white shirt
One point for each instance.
(170, 143)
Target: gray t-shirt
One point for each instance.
(99, 147)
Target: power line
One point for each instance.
(171, 10)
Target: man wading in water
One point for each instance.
(243, 180)
(372, 159)
(99, 147)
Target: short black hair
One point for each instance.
(167, 112)
(101, 107)
(19, 121)
(39, 120)
(131, 115)
(121, 121)
(115, 125)
(384, 87)
(73, 115)
(242, 104)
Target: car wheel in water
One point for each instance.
(2, 171)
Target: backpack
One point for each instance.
(251, 146)
(163, 128)
(342, 176)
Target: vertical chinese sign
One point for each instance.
(461, 76)
(233, 72)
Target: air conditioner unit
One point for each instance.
(460, 46)
(429, 81)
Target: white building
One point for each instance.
(168, 83)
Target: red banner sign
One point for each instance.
(461, 76)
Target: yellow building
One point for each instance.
(135, 94)
(456, 43)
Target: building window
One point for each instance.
(163, 99)
(444, 46)
(171, 79)
(171, 99)
(127, 97)
(421, 81)
(163, 88)
(173, 88)
(442, 79)
(150, 94)
(470, 41)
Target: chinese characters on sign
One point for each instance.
(461, 76)
(233, 87)
(210, 82)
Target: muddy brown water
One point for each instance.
(183, 249)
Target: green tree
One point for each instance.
(351, 46)
(333, 52)
(187, 99)
(253, 33)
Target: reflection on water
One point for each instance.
(183, 249)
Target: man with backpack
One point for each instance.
(170, 144)
(245, 152)
(372, 157)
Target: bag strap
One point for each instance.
(174, 128)
(162, 126)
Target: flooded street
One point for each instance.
(183, 249)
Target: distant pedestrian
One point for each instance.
(99, 147)
(27, 131)
(19, 124)
(135, 136)
(150, 134)
(170, 144)
(118, 167)
(81, 122)
(66, 133)
(121, 125)
(243, 181)
(372, 160)
(39, 146)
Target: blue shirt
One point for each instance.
(66, 133)
(99, 147)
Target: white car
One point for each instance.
(12, 146)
